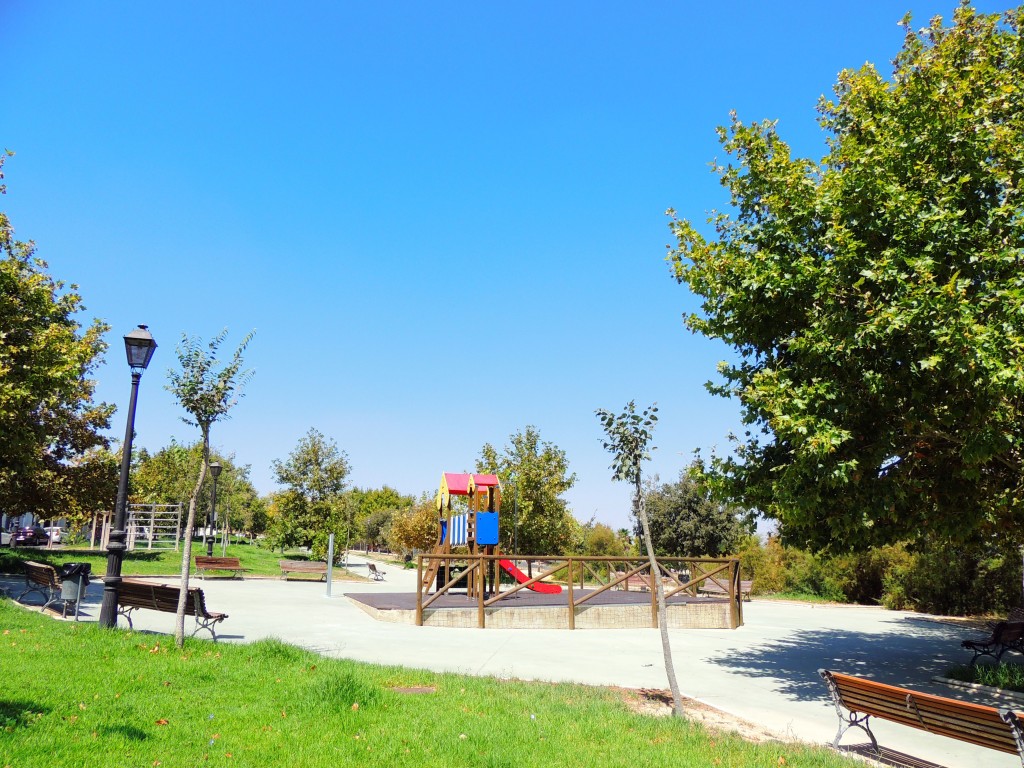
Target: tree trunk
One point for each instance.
(186, 554)
(640, 509)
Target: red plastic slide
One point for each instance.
(522, 578)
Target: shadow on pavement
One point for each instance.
(909, 655)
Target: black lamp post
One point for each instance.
(140, 346)
(211, 521)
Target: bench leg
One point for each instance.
(1010, 718)
(847, 719)
(855, 720)
(127, 613)
(208, 625)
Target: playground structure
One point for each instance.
(476, 527)
(611, 591)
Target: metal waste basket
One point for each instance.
(74, 579)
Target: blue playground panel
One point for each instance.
(486, 528)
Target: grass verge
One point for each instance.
(1009, 677)
(77, 695)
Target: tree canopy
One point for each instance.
(168, 476)
(534, 474)
(53, 460)
(313, 504)
(685, 521)
(874, 299)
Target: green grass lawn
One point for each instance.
(263, 562)
(74, 694)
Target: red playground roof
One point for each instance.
(485, 481)
(456, 483)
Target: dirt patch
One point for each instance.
(657, 702)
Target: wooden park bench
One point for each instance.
(133, 594)
(204, 563)
(714, 588)
(43, 579)
(999, 729)
(303, 566)
(375, 573)
(1006, 636)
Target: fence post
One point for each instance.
(654, 598)
(734, 593)
(419, 590)
(480, 581)
(572, 601)
(330, 563)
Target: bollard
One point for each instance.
(330, 563)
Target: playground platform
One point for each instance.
(612, 609)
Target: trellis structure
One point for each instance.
(153, 526)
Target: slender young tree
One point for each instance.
(629, 435)
(207, 389)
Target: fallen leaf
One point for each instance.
(162, 721)
(355, 705)
(81, 705)
(283, 713)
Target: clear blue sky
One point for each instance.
(445, 221)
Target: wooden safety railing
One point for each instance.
(595, 575)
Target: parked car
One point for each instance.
(30, 536)
(55, 533)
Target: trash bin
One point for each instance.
(74, 578)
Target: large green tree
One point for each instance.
(875, 299)
(534, 474)
(374, 509)
(686, 521)
(313, 504)
(53, 460)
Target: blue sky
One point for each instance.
(444, 221)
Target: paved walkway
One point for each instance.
(764, 672)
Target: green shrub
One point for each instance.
(1002, 675)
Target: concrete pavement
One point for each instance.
(764, 672)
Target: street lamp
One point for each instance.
(211, 521)
(139, 346)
